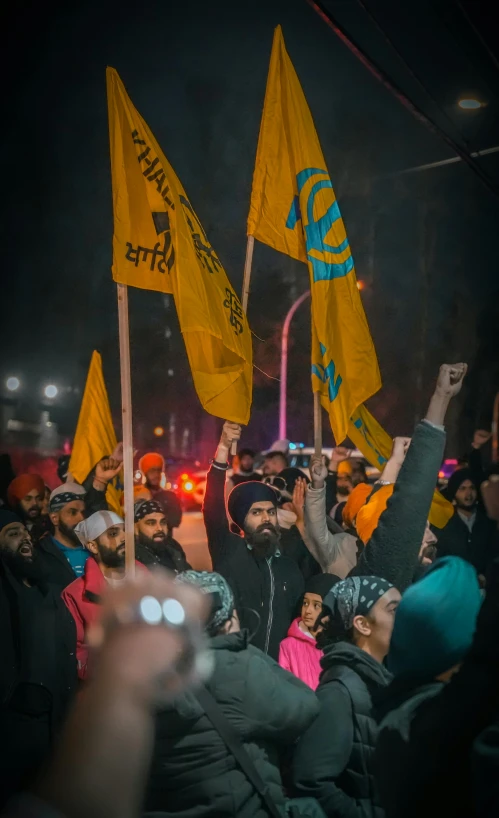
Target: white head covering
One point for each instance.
(66, 494)
(91, 528)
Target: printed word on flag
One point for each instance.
(95, 437)
(294, 209)
(160, 244)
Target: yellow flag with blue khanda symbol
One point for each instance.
(95, 437)
(159, 244)
(294, 209)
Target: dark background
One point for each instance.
(424, 243)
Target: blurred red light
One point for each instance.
(188, 486)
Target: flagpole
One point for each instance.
(248, 263)
(126, 418)
(317, 424)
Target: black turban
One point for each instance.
(244, 495)
(456, 480)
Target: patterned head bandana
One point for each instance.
(65, 494)
(145, 507)
(355, 596)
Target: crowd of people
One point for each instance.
(340, 659)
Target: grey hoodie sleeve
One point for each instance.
(321, 542)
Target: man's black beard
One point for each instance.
(429, 553)
(264, 544)
(69, 533)
(463, 507)
(30, 568)
(26, 518)
(110, 557)
(343, 491)
(155, 545)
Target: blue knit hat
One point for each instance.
(435, 621)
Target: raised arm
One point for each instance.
(214, 511)
(318, 540)
(393, 550)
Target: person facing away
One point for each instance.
(299, 653)
(333, 760)
(246, 468)
(266, 584)
(37, 657)
(274, 463)
(154, 544)
(25, 496)
(470, 533)
(152, 466)
(103, 536)
(193, 773)
(445, 690)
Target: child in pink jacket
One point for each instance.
(298, 652)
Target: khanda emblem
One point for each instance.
(328, 261)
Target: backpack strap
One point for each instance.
(234, 744)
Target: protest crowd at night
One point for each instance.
(340, 658)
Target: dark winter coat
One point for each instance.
(485, 767)
(479, 546)
(292, 546)
(56, 565)
(393, 550)
(193, 775)
(333, 759)
(171, 556)
(266, 591)
(37, 675)
(427, 729)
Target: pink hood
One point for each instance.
(299, 655)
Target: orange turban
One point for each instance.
(22, 485)
(356, 500)
(368, 516)
(344, 467)
(152, 460)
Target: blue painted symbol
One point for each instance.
(328, 375)
(365, 434)
(316, 231)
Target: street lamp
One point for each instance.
(284, 364)
(470, 104)
(13, 384)
(50, 391)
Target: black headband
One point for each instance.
(146, 507)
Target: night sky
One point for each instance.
(425, 243)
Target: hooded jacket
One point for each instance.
(193, 774)
(266, 590)
(299, 654)
(333, 760)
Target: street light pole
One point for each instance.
(284, 364)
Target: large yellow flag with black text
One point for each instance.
(159, 244)
(294, 209)
(95, 437)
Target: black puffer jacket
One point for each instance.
(193, 775)
(266, 591)
(333, 759)
(169, 555)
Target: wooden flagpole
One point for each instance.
(245, 294)
(126, 418)
(317, 424)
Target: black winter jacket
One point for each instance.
(478, 546)
(266, 590)
(333, 759)
(427, 729)
(170, 555)
(193, 775)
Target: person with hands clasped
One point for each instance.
(267, 585)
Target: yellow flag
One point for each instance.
(95, 437)
(376, 445)
(294, 209)
(159, 244)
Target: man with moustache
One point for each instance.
(25, 496)
(37, 658)
(154, 544)
(266, 585)
(103, 535)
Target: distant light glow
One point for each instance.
(13, 384)
(159, 431)
(360, 284)
(188, 486)
(150, 610)
(293, 446)
(51, 391)
(184, 476)
(470, 104)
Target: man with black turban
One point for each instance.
(469, 534)
(267, 586)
